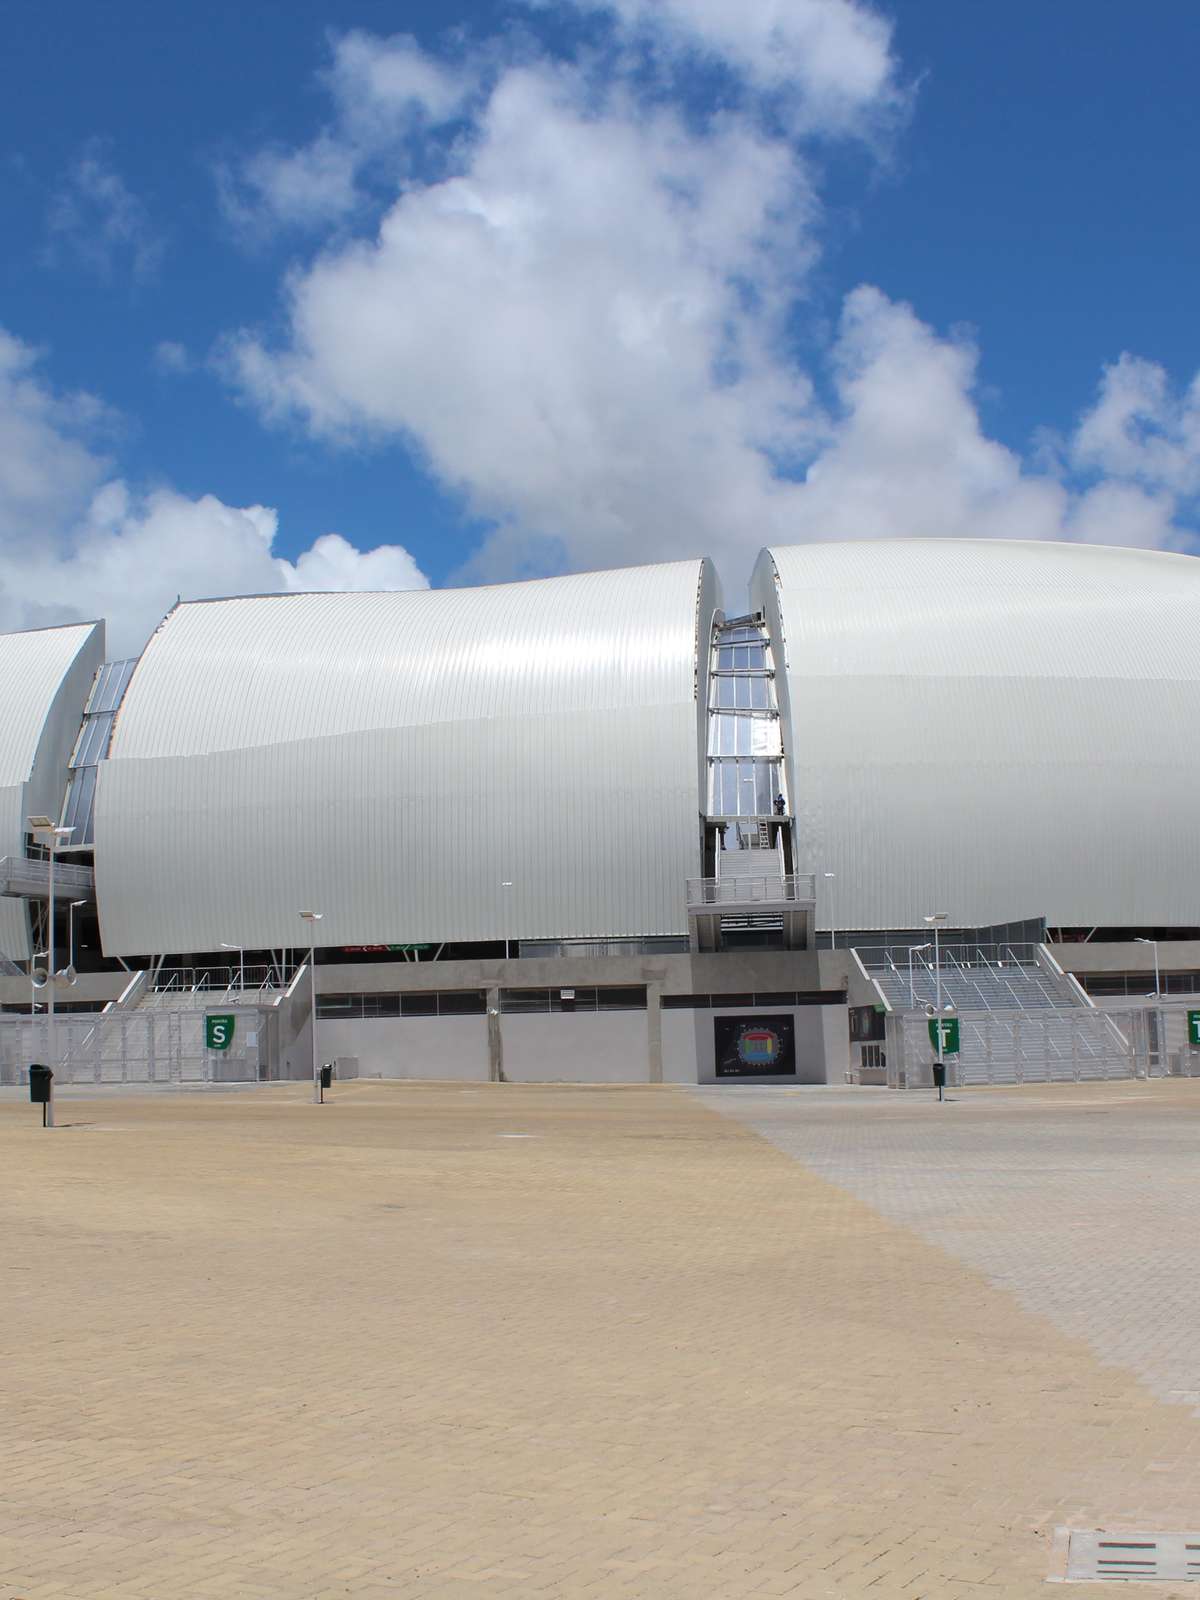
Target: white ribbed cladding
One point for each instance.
(511, 762)
(992, 729)
(45, 676)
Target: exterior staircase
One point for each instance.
(1020, 1018)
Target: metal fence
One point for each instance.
(1046, 1046)
(140, 1046)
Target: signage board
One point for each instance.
(949, 1026)
(755, 1047)
(1194, 1027)
(218, 1031)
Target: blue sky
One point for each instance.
(637, 295)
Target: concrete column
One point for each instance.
(495, 1038)
(654, 1051)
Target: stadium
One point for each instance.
(602, 828)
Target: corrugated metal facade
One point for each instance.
(46, 676)
(992, 729)
(509, 762)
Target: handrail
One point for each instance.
(887, 1004)
(761, 889)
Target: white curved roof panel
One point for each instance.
(509, 762)
(991, 729)
(45, 676)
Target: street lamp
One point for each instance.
(914, 950)
(46, 833)
(241, 962)
(312, 918)
(1153, 943)
(71, 909)
(829, 877)
(936, 919)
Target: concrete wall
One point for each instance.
(413, 1047)
(576, 1047)
(1174, 955)
(726, 972)
(689, 1051)
(651, 1046)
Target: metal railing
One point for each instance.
(973, 977)
(233, 979)
(29, 877)
(794, 888)
(880, 956)
(1013, 1047)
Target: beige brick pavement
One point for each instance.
(259, 1348)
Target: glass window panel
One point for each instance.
(729, 791)
(762, 787)
(525, 1000)
(585, 1000)
(620, 999)
(416, 1004)
(684, 1002)
(765, 735)
(724, 692)
(760, 694)
(110, 684)
(92, 744)
(334, 1006)
(741, 656)
(381, 1005)
(756, 656)
(462, 1003)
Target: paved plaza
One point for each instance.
(478, 1341)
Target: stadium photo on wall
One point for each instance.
(755, 1047)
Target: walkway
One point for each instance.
(477, 1341)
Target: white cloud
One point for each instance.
(96, 216)
(906, 455)
(829, 62)
(1139, 429)
(384, 93)
(578, 328)
(171, 357)
(76, 543)
(583, 318)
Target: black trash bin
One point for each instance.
(41, 1091)
(327, 1077)
(939, 1077)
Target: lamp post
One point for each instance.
(1153, 943)
(829, 879)
(75, 904)
(312, 918)
(914, 950)
(936, 920)
(47, 834)
(241, 962)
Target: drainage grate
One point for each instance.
(1140, 1556)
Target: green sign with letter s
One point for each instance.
(218, 1032)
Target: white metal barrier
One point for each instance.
(139, 1046)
